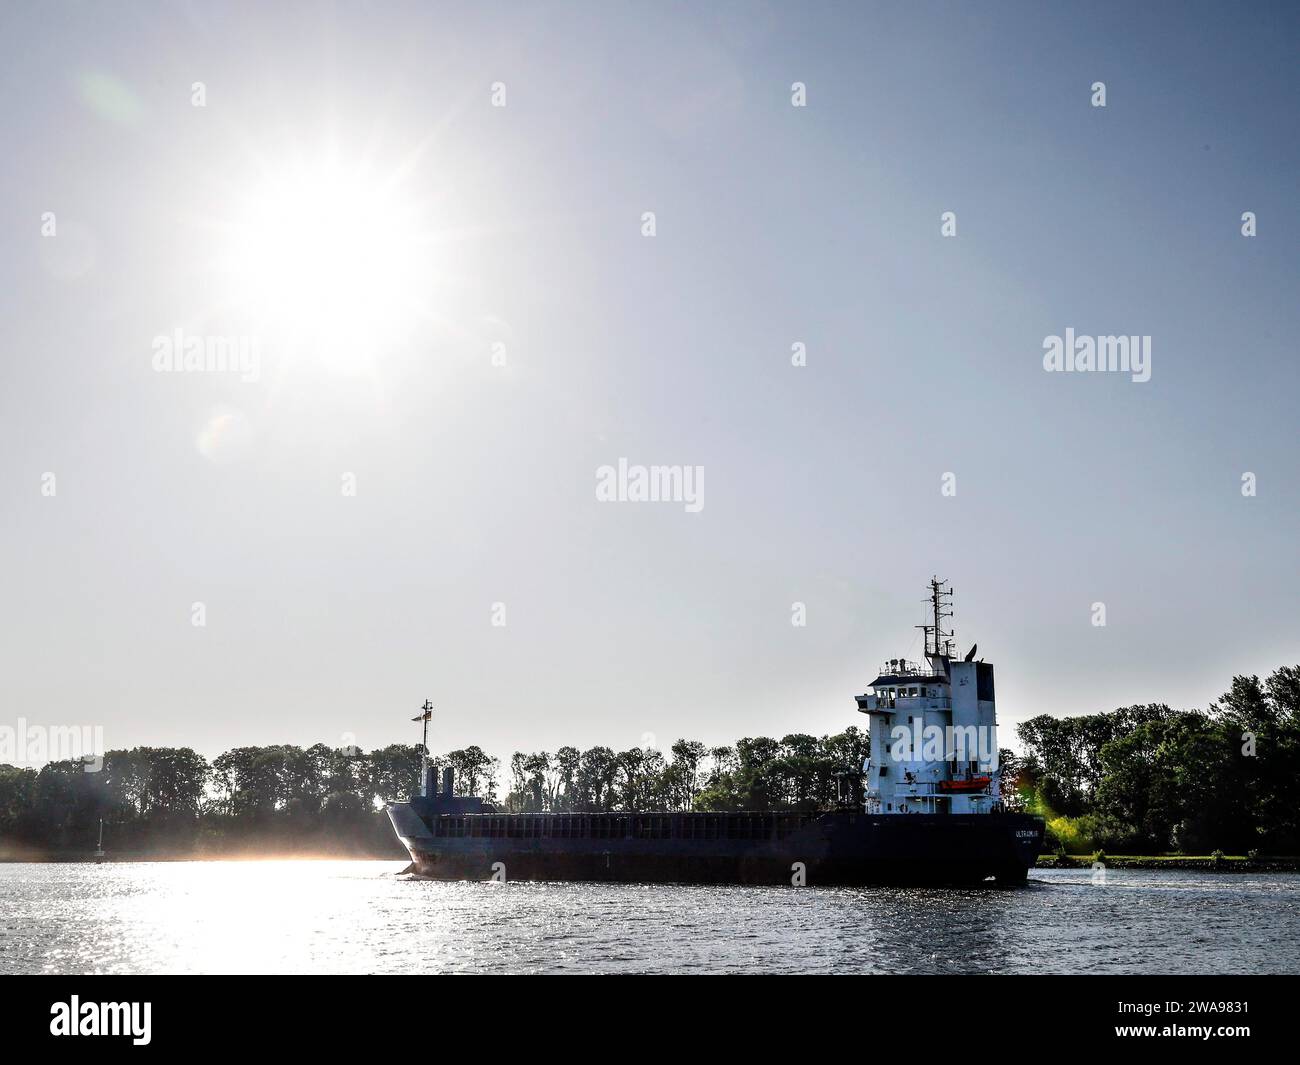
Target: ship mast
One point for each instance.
(424, 746)
(940, 597)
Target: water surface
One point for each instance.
(359, 916)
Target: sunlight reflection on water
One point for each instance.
(351, 916)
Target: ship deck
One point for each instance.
(621, 825)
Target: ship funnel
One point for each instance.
(448, 782)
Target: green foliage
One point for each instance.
(759, 773)
(279, 799)
(1072, 835)
(1147, 779)
(796, 772)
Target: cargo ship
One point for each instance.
(925, 808)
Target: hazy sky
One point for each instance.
(328, 615)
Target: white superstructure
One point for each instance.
(933, 729)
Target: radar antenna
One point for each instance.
(938, 644)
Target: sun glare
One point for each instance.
(329, 262)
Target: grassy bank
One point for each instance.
(1207, 863)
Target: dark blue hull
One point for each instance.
(841, 847)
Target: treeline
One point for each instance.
(1150, 780)
(172, 801)
(797, 772)
(322, 800)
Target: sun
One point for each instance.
(330, 262)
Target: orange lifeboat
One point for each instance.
(973, 784)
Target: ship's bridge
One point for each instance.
(903, 685)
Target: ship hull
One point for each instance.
(836, 848)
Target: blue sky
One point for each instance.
(330, 616)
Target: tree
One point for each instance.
(630, 766)
(722, 761)
(683, 781)
(1064, 754)
(474, 771)
(18, 811)
(596, 772)
(394, 772)
(566, 765)
(1262, 723)
(536, 768)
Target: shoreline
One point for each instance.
(141, 859)
(1208, 863)
(252, 854)
(1232, 863)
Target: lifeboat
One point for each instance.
(973, 784)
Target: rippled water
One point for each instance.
(303, 917)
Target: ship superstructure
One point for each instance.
(933, 729)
